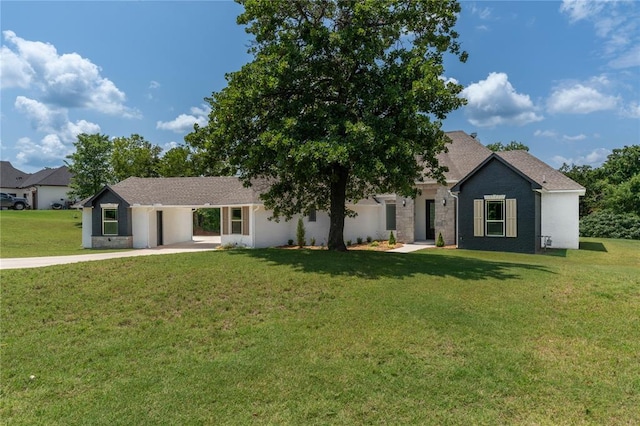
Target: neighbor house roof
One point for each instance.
(185, 191)
(60, 176)
(541, 175)
(10, 177)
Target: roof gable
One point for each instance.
(10, 177)
(539, 174)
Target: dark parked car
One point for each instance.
(10, 202)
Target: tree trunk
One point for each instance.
(339, 178)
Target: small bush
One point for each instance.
(374, 244)
(369, 239)
(392, 239)
(313, 241)
(606, 224)
(440, 241)
(359, 240)
(300, 233)
(348, 242)
(290, 242)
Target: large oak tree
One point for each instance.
(343, 99)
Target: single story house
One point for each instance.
(41, 189)
(525, 204)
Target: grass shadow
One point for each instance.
(375, 265)
(554, 252)
(592, 246)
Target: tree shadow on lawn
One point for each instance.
(374, 265)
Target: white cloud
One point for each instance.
(50, 150)
(494, 101)
(632, 110)
(582, 98)
(581, 9)
(595, 158)
(66, 80)
(184, 122)
(481, 12)
(579, 137)
(154, 84)
(616, 22)
(545, 133)
(54, 121)
(14, 70)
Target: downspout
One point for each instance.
(454, 195)
(253, 226)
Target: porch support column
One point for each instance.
(405, 218)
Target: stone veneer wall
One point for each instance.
(445, 215)
(113, 242)
(405, 218)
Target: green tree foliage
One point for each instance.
(90, 165)
(176, 162)
(611, 205)
(588, 177)
(134, 156)
(511, 146)
(340, 99)
(607, 224)
(622, 164)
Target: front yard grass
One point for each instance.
(316, 337)
(32, 233)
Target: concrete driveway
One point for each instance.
(199, 243)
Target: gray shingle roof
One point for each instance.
(464, 154)
(188, 191)
(10, 177)
(49, 177)
(544, 175)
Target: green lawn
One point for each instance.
(314, 337)
(31, 233)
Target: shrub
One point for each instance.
(375, 244)
(290, 242)
(440, 241)
(606, 224)
(392, 239)
(300, 233)
(313, 241)
(359, 240)
(369, 239)
(348, 242)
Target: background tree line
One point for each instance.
(611, 205)
(99, 160)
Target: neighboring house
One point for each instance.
(41, 189)
(538, 200)
(11, 180)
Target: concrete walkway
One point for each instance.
(418, 245)
(199, 243)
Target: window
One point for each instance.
(495, 218)
(391, 216)
(236, 220)
(312, 215)
(110, 221)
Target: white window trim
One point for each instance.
(232, 220)
(487, 220)
(106, 207)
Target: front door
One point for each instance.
(431, 219)
(159, 222)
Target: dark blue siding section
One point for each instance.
(495, 178)
(124, 214)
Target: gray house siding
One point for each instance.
(124, 214)
(495, 178)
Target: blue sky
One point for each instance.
(561, 77)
